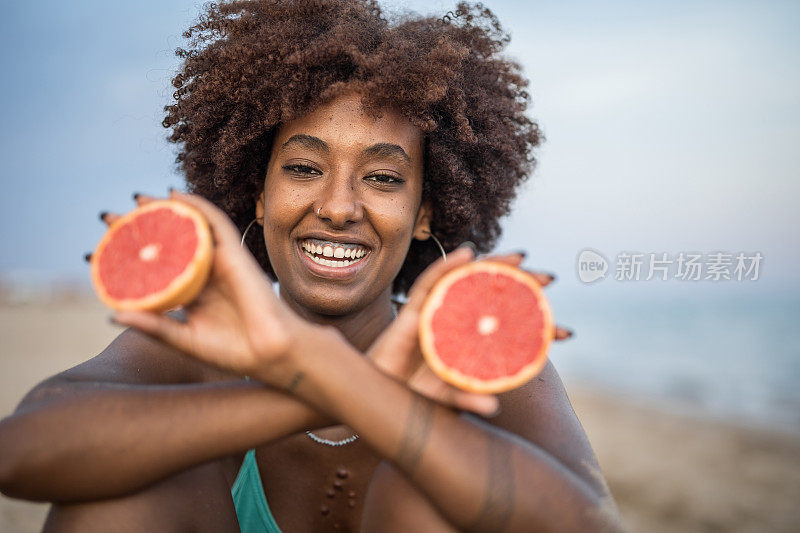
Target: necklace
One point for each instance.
(317, 438)
(352, 438)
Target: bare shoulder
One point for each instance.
(540, 412)
(132, 358)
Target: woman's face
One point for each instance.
(342, 201)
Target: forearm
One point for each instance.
(478, 477)
(110, 439)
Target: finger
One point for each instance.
(429, 384)
(513, 258)
(425, 281)
(225, 232)
(143, 199)
(109, 218)
(562, 333)
(162, 327)
(544, 278)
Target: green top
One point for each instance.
(250, 501)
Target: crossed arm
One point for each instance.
(460, 470)
(478, 476)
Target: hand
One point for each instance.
(237, 322)
(397, 351)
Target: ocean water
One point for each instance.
(707, 350)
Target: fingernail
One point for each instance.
(113, 321)
(87, 257)
(171, 190)
(469, 244)
(496, 411)
(569, 333)
(136, 195)
(552, 276)
(102, 215)
(522, 253)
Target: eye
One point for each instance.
(301, 170)
(384, 179)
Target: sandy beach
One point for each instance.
(668, 472)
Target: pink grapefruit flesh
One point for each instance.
(155, 258)
(486, 327)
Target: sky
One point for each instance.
(671, 127)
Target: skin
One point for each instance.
(326, 355)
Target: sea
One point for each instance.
(715, 350)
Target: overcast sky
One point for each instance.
(671, 126)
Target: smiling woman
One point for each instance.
(350, 140)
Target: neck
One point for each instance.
(361, 327)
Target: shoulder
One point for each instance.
(540, 413)
(132, 358)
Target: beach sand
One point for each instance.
(668, 472)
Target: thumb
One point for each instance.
(485, 405)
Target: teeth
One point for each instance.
(334, 250)
(330, 263)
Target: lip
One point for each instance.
(327, 272)
(322, 236)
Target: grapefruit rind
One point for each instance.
(181, 290)
(471, 383)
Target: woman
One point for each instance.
(320, 125)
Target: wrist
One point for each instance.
(287, 368)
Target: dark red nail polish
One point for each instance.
(87, 257)
(103, 215)
(136, 195)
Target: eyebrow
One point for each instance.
(376, 150)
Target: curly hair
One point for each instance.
(252, 65)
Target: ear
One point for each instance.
(422, 228)
(260, 209)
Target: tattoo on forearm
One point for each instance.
(498, 500)
(295, 382)
(418, 428)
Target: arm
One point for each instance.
(131, 416)
(479, 477)
(539, 412)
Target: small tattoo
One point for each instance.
(295, 382)
(498, 500)
(418, 428)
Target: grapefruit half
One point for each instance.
(155, 258)
(486, 327)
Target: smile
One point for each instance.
(333, 254)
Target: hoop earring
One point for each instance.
(439, 244)
(248, 229)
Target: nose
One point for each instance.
(340, 203)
